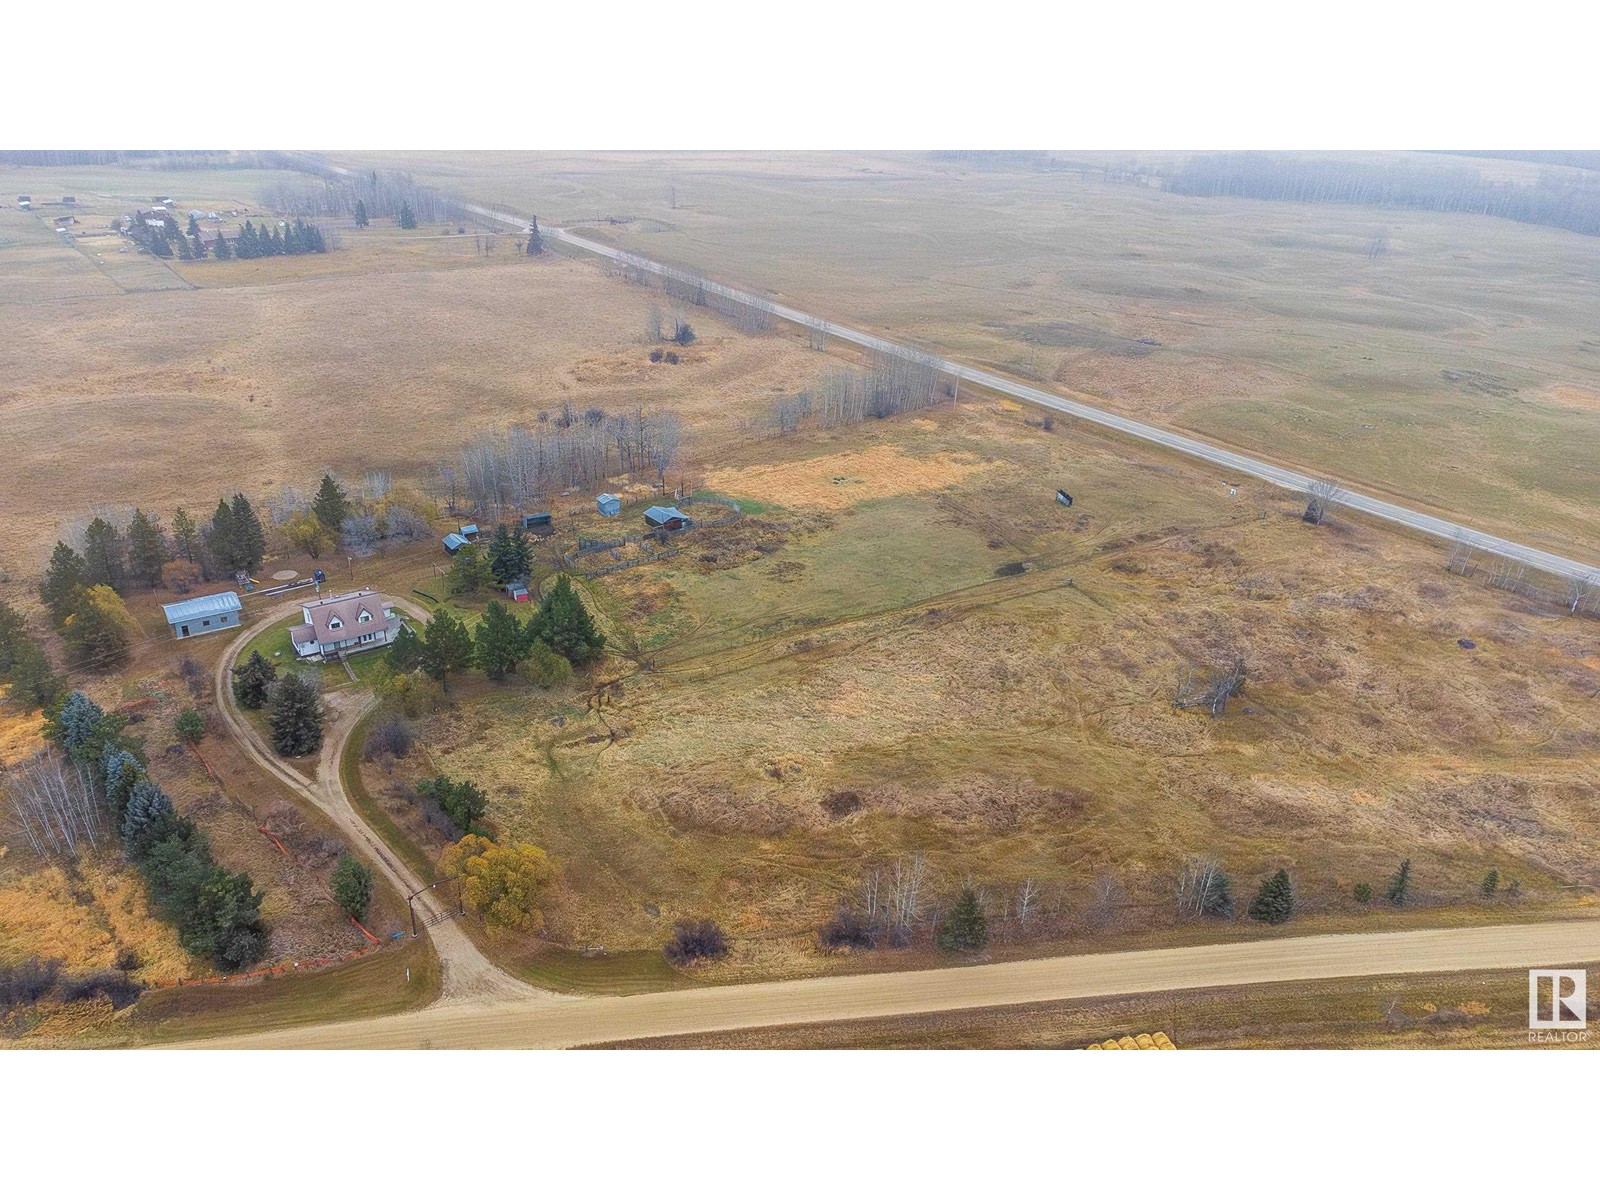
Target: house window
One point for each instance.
(363, 616)
(205, 624)
(335, 624)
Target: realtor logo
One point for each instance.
(1557, 999)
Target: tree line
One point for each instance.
(521, 467)
(559, 636)
(91, 788)
(159, 234)
(364, 196)
(1563, 201)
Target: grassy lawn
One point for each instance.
(373, 986)
(274, 645)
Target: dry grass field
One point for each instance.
(905, 646)
(835, 681)
(1458, 372)
(178, 397)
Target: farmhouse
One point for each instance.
(608, 505)
(346, 624)
(203, 614)
(660, 516)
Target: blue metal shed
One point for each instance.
(608, 505)
(203, 614)
(454, 542)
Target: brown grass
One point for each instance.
(839, 481)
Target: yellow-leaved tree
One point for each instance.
(502, 884)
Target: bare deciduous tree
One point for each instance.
(1214, 692)
(1579, 589)
(1106, 902)
(1322, 497)
(1203, 890)
(54, 805)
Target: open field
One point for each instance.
(835, 684)
(1456, 1011)
(905, 646)
(177, 397)
(1441, 373)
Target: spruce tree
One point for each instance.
(1400, 884)
(249, 538)
(194, 226)
(535, 242)
(147, 809)
(1491, 884)
(405, 651)
(1274, 903)
(296, 716)
(468, 572)
(147, 550)
(222, 250)
(408, 219)
(446, 647)
(253, 680)
(564, 624)
(33, 680)
(331, 505)
(197, 246)
(352, 886)
(185, 536)
(63, 580)
(510, 554)
(361, 214)
(102, 555)
(221, 542)
(501, 644)
(122, 775)
(964, 929)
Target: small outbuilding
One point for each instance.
(203, 614)
(661, 516)
(518, 591)
(454, 542)
(1064, 497)
(608, 505)
(69, 201)
(538, 524)
(470, 532)
(25, 202)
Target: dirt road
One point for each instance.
(1441, 526)
(562, 1021)
(467, 975)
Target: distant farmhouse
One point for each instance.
(203, 614)
(346, 624)
(25, 202)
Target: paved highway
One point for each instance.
(1231, 460)
(556, 1021)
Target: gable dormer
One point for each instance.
(335, 623)
(363, 617)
